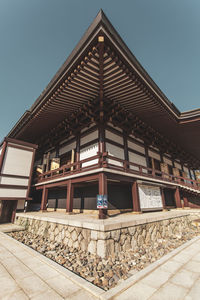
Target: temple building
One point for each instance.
(108, 139)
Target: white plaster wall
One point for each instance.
(67, 148)
(89, 152)
(13, 181)
(154, 155)
(14, 193)
(114, 137)
(167, 161)
(115, 151)
(20, 204)
(17, 162)
(137, 159)
(136, 147)
(90, 137)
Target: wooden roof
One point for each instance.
(109, 73)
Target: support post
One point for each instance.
(3, 151)
(44, 199)
(163, 198)
(135, 198)
(70, 196)
(78, 151)
(185, 201)
(103, 190)
(177, 198)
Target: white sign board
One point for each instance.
(150, 197)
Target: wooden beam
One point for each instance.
(135, 197)
(103, 190)
(70, 196)
(177, 198)
(44, 199)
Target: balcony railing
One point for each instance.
(111, 162)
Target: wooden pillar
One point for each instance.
(135, 197)
(70, 197)
(177, 198)
(102, 144)
(185, 201)
(146, 155)
(103, 190)
(14, 208)
(3, 151)
(163, 198)
(30, 175)
(78, 142)
(44, 199)
(126, 156)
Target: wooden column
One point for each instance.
(126, 156)
(70, 197)
(163, 198)
(44, 199)
(2, 154)
(146, 155)
(135, 198)
(78, 142)
(185, 201)
(14, 211)
(30, 175)
(177, 198)
(103, 190)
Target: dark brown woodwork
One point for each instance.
(185, 201)
(30, 174)
(163, 197)
(2, 154)
(44, 198)
(177, 198)
(70, 196)
(78, 150)
(135, 197)
(103, 190)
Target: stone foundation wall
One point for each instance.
(105, 243)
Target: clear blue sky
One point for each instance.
(36, 36)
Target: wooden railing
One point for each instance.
(111, 162)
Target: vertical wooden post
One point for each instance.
(177, 198)
(126, 156)
(14, 210)
(185, 201)
(146, 155)
(163, 198)
(78, 140)
(103, 190)
(30, 175)
(135, 197)
(70, 196)
(44, 199)
(3, 151)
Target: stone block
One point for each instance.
(74, 235)
(115, 235)
(101, 248)
(94, 235)
(92, 247)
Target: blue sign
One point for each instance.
(102, 201)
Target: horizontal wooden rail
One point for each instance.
(106, 160)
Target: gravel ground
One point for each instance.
(104, 273)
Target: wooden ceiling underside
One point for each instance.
(127, 100)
